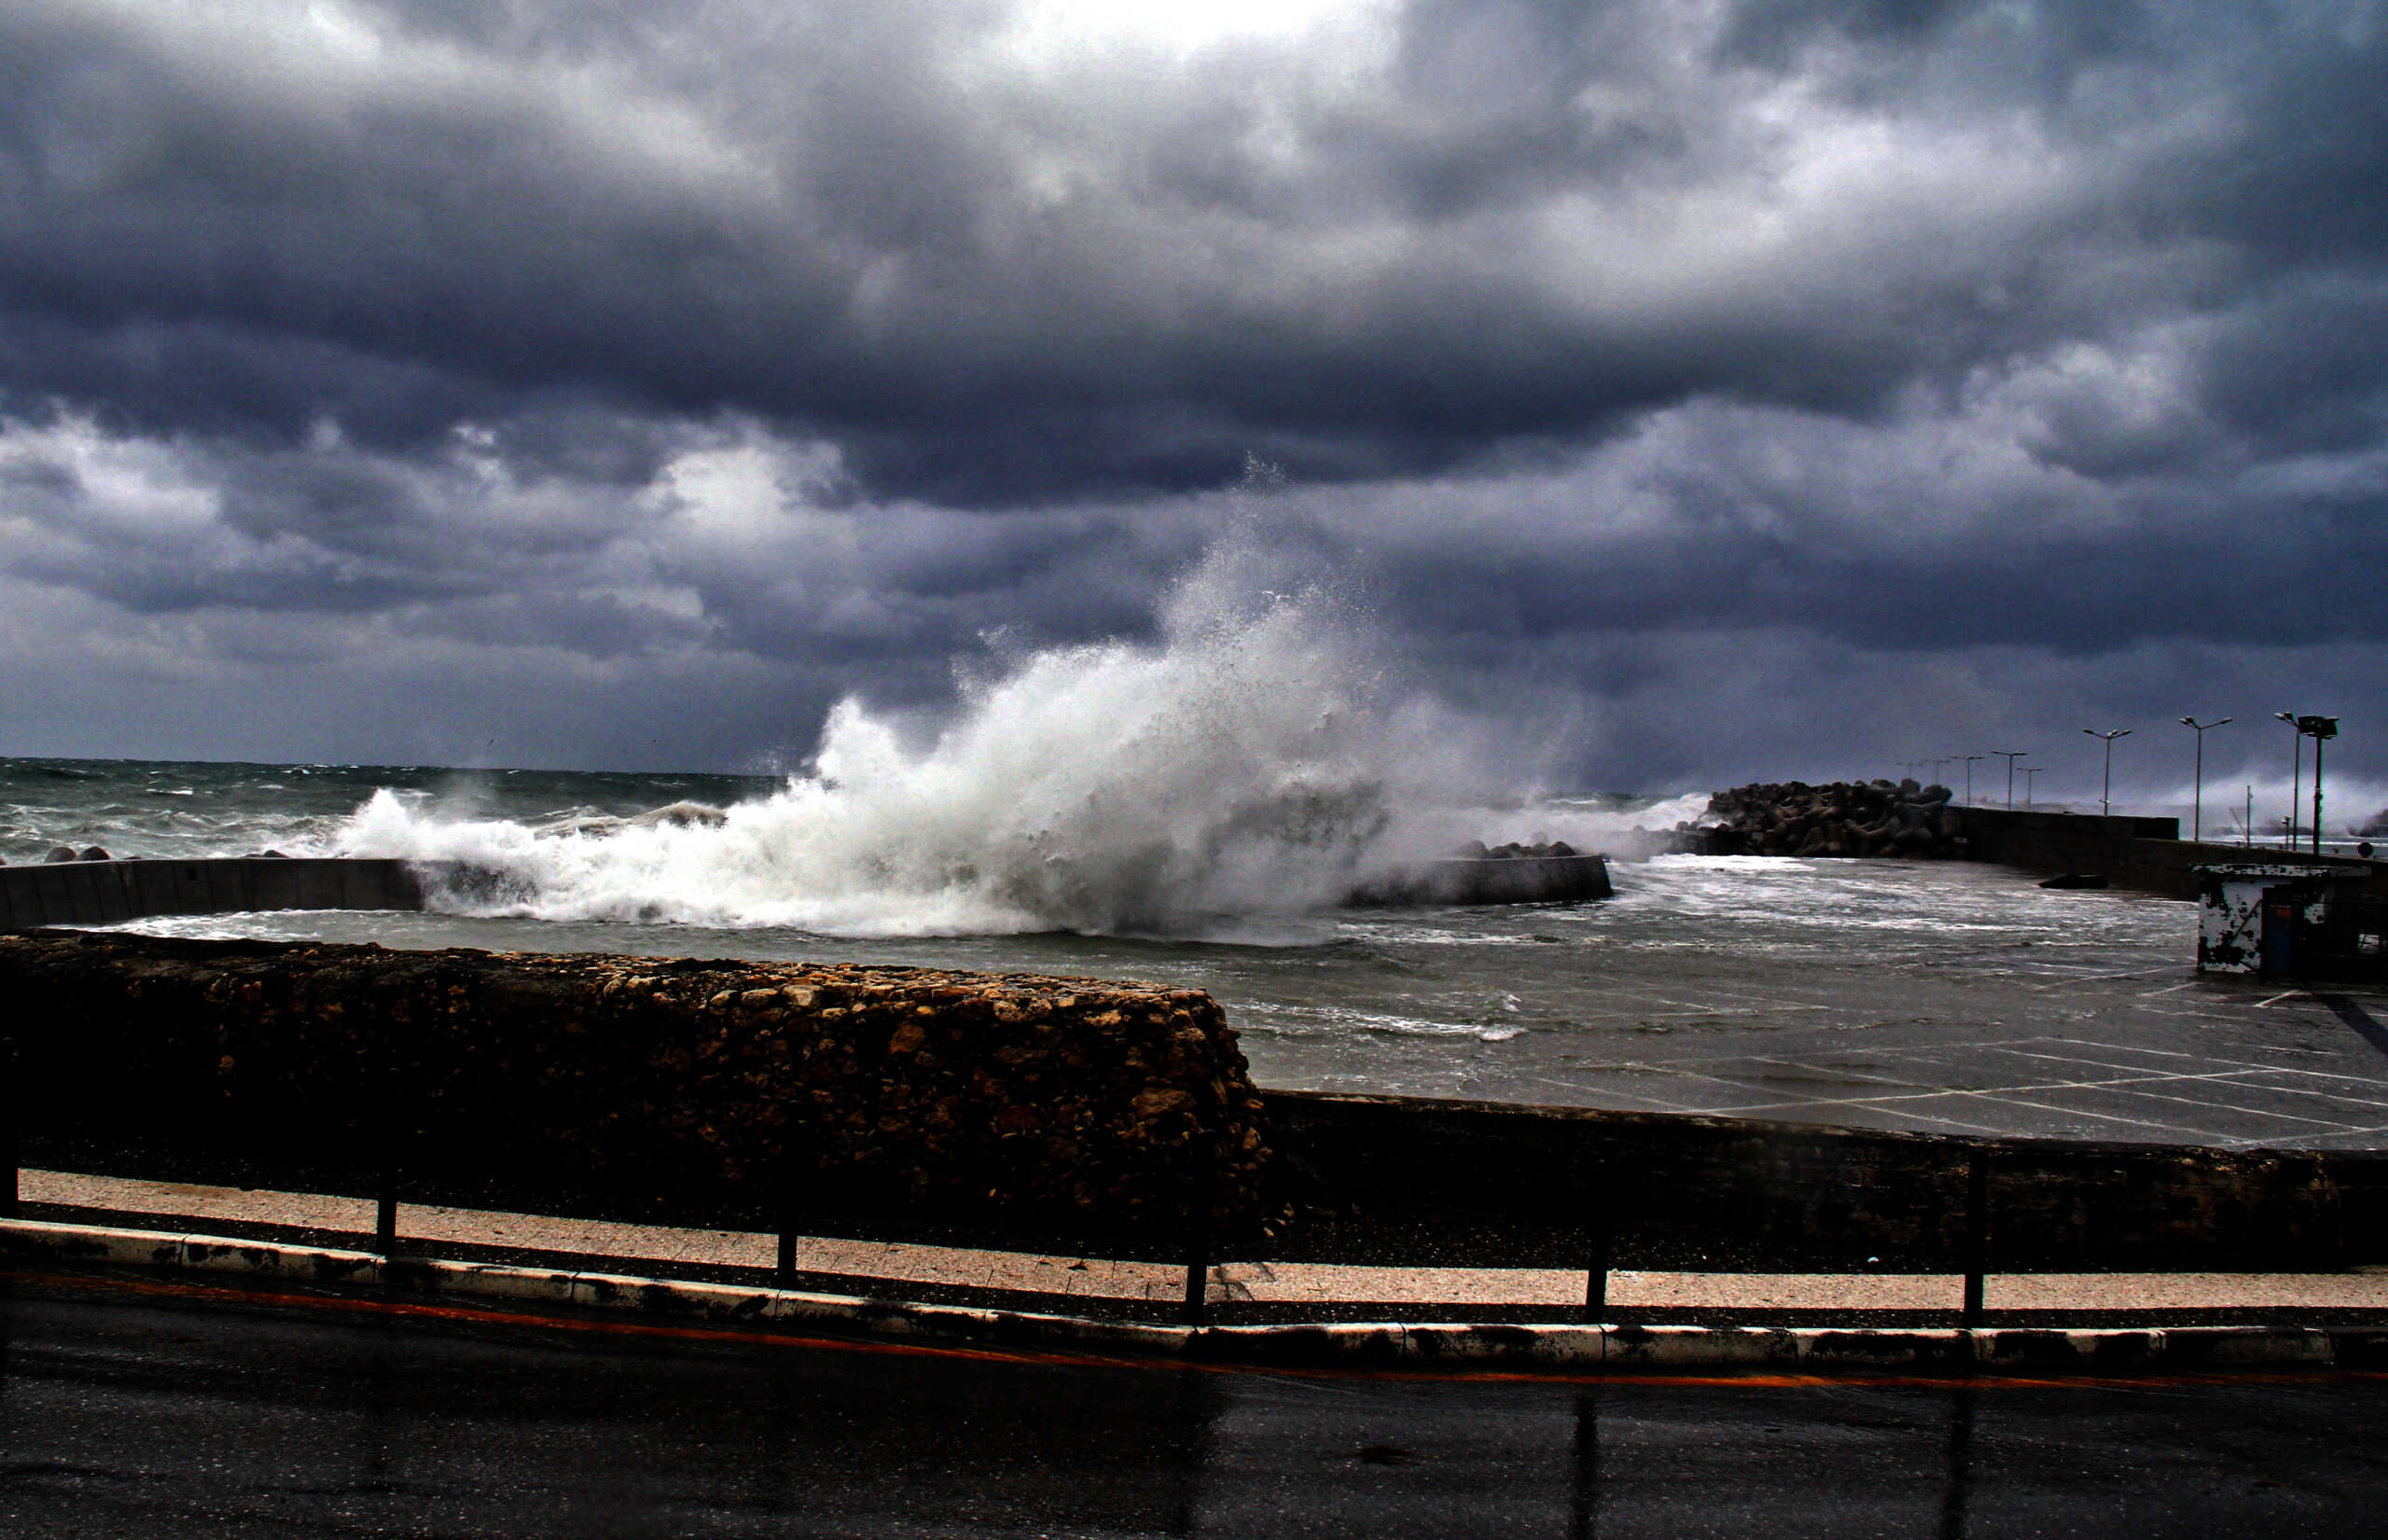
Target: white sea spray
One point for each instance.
(1252, 760)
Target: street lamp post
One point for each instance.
(1969, 776)
(2295, 770)
(2105, 792)
(2029, 771)
(2197, 805)
(2011, 756)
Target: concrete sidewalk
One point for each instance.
(1413, 1291)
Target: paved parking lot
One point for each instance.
(2180, 1061)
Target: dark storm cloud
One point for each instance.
(824, 340)
(1006, 269)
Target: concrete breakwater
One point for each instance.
(107, 892)
(1879, 818)
(104, 892)
(1114, 1107)
(1511, 876)
(2144, 854)
(1876, 818)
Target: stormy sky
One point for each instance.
(1709, 391)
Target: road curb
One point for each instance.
(1390, 1344)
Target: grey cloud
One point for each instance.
(1604, 345)
(840, 221)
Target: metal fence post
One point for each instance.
(789, 1219)
(1203, 1198)
(9, 1152)
(1600, 1224)
(385, 1206)
(1976, 1234)
(385, 1214)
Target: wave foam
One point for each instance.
(1252, 762)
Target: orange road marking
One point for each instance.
(482, 1315)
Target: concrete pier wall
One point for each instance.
(1538, 1180)
(1506, 879)
(2144, 855)
(107, 892)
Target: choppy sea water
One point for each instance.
(136, 808)
(1504, 1002)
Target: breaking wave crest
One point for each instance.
(1252, 761)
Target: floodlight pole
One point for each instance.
(2197, 805)
(2317, 790)
(2318, 729)
(1969, 776)
(2295, 770)
(2105, 792)
(2011, 756)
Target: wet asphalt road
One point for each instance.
(131, 1407)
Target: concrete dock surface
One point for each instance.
(1413, 1291)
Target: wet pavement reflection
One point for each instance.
(133, 1407)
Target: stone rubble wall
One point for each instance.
(1871, 818)
(1091, 1105)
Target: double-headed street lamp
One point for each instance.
(2011, 756)
(2197, 814)
(2107, 789)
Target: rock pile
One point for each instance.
(1111, 1108)
(1875, 818)
(1476, 849)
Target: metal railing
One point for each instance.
(1596, 1181)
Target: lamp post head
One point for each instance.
(2288, 717)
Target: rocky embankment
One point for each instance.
(1876, 818)
(1100, 1106)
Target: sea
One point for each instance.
(1500, 1001)
(1190, 806)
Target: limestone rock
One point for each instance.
(1073, 1101)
